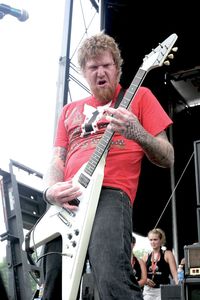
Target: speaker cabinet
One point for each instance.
(172, 292)
(192, 260)
(192, 288)
(197, 169)
(198, 222)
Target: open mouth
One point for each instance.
(101, 82)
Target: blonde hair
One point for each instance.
(160, 233)
(95, 45)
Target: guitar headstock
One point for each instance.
(157, 57)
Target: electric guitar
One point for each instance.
(75, 226)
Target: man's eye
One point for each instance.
(93, 68)
(110, 65)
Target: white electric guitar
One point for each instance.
(75, 226)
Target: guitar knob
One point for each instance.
(73, 244)
(171, 56)
(76, 232)
(167, 63)
(69, 236)
(175, 49)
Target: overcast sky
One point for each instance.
(28, 75)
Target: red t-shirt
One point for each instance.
(79, 130)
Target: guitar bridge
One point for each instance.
(64, 219)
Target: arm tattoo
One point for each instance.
(61, 153)
(55, 172)
(158, 149)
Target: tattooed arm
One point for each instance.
(58, 191)
(158, 149)
(55, 172)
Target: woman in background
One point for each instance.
(160, 265)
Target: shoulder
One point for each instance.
(167, 252)
(77, 103)
(141, 261)
(145, 257)
(71, 107)
(168, 255)
(146, 100)
(143, 92)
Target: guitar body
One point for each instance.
(74, 228)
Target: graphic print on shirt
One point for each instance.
(92, 116)
(154, 269)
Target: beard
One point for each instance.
(104, 95)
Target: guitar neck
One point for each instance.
(134, 86)
(105, 140)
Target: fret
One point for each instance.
(137, 81)
(99, 151)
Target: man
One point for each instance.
(139, 131)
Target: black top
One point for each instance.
(159, 272)
(136, 268)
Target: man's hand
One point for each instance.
(61, 193)
(124, 122)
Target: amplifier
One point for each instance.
(192, 288)
(192, 260)
(172, 292)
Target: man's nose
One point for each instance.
(100, 70)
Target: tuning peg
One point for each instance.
(175, 49)
(167, 63)
(171, 56)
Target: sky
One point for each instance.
(28, 75)
(29, 81)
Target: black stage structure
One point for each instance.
(166, 198)
(138, 27)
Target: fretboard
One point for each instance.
(105, 140)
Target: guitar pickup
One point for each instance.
(83, 180)
(74, 202)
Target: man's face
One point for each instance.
(102, 76)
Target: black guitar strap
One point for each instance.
(119, 97)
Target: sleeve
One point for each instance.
(61, 139)
(150, 113)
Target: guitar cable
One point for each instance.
(172, 194)
(35, 274)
